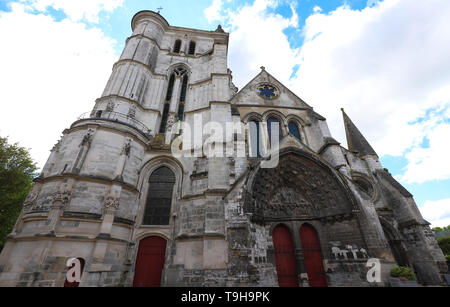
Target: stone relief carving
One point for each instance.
(87, 139)
(110, 106)
(30, 201)
(170, 123)
(298, 188)
(63, 196)
(288, 202)
(126, 148)
(132, 112)
(112, 201)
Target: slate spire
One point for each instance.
(355, 140)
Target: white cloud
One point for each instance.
(386, 65)
(213, 12)
(381, 64)
(257, 40)
(430, 163)
(317, 9)
(437, 212)
(76, 10)
(51, 72)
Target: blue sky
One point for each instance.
(386, 62)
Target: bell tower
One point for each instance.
(95, 193)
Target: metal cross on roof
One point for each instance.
(159, 9)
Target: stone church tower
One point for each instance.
(133, 192)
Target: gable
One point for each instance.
(266, 90)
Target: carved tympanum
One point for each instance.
(299, 188)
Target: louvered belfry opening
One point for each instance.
(192, 46)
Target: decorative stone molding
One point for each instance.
(111, 202)
(170, 123)
(298, 189)
(62, 198)
(87, 139)
(110, 107)
(132, 112)
(30, 201)
(126, 148)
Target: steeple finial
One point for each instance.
(355, 140)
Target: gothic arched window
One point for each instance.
(192, 46)
(255, 140)
(177, 46)
(159, 198)
(170, 87)
(275, 121)
(184, 88)
(164, 117)
(293, 129)
(182, 98)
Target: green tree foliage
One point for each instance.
(440, 229)
(403, 272)
(17, 171)
(444, 244)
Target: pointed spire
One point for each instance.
(355, 140)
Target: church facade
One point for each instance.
(143, 190)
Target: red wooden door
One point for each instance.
(150, 262)
(313, 257)
(285, 257)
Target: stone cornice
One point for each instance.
(79, 124)
(271, 107)
(77, 177)
(134, 102)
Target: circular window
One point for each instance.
(267, 91)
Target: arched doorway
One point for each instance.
(312, 257)
(285, 257)
(150, 262)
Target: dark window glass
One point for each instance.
(159, 198)
(270, 121)
(181, 112)
(293, 129)
(164, 118)
(192, 48)
(255, 140)
(184, 89)
(177, 47)
(170, 87)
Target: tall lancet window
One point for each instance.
(255, 139)
(170, 87)
(276, 123)
(177, 46)
(182, 98)
(159, 197)
(164, 118)
(293, 129)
